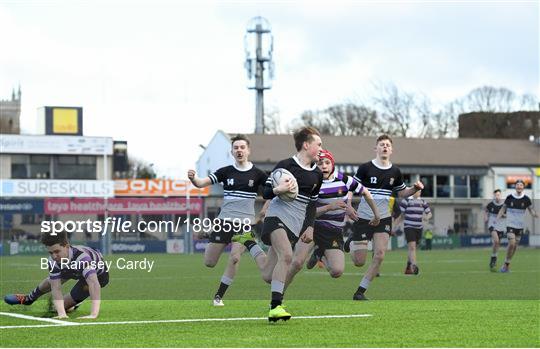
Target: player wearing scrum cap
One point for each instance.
(330, 220)
(381, 178)
(241, 182)
(514, 207)
(287, 222)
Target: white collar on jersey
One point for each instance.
(381, 167)
(250, 166)
(498, 203)
(518, 197)
(304, 167)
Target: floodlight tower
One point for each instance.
(259, 44)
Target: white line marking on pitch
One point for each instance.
(44, 319)
(67, 323)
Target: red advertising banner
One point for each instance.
(55, 206)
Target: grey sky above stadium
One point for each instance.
(166, 75)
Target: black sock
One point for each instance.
(507, 264)
(360, 290)
(277, 297)
(249, 244)
(221, 290)
(408, 264)
(35, 294)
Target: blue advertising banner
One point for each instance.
(200, 245)
(21, 206)
(485, 240)
(133, 246)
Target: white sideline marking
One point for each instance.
(44, 319)
(67, 323)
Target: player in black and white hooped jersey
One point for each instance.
(496, 227)
(381, 178)
(514, 207)
(241, 182)
(287, 222)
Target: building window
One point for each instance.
(20, 166)
(407, 179)
(40, 166)
(428, 186)
(476, 189)
(75, 167)
(460, 186)
(463, 221)
(443, 186)
(31, 218)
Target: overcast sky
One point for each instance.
(165, 75)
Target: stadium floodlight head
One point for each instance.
(259, 46)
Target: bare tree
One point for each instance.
(272, 122)
(396, 109)
(490, 99)
(402, 113)
(140, 169)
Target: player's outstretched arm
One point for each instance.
(198, 182)
(262, 213)
(405, 193)
(336, 205)
(502, 212)
(95, 295)
(371, 203)
(58, 298)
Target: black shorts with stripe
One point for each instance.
(413, 234)
(80, 292)
(224, 232)
(363, 231)
(500, 233)
(328, 239)
(270, 225)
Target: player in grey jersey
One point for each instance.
(287, 222)
(495, 226)
(514, 207)
(381, 178)
(240, 183)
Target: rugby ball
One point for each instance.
(278, 176)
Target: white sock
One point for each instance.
(255, 251)
(364, 283)
(226, 280)
(277, 286)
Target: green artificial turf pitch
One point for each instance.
(455, 301)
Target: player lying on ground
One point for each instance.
(415, 212)
(88, 269)
(495, 226)
(330, 220)
(514, 207)
(241, 182)
(381, 178)
(288, 221)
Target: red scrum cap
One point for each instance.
(325, 154)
